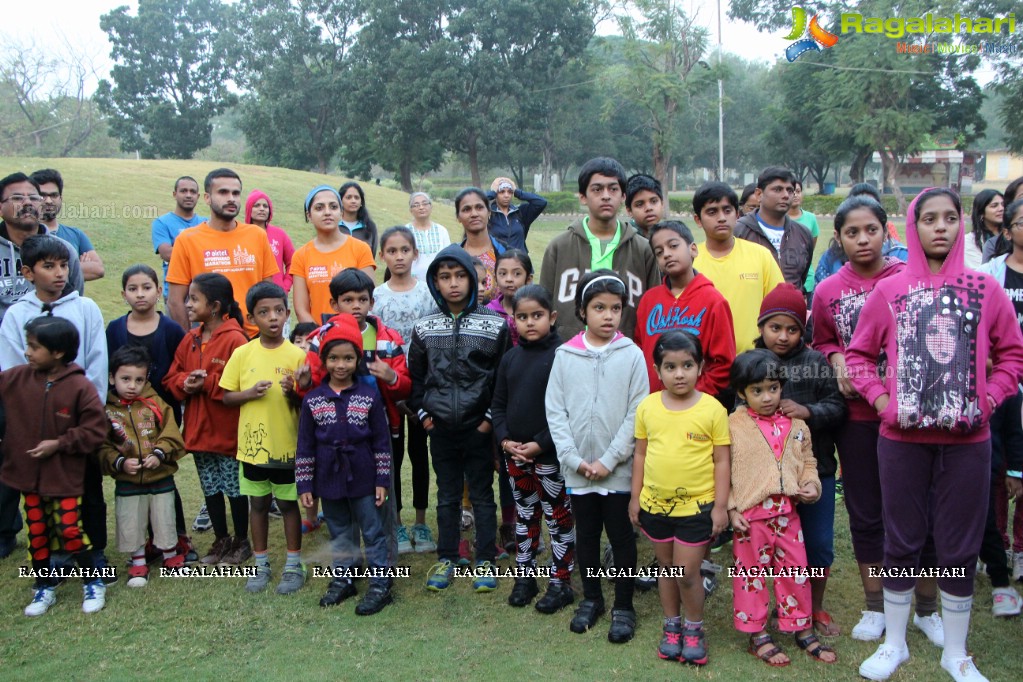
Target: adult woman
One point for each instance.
(986, 218)
(259, 211)
(430, 236)
(330, 252)
(473, 212)
(355, 218)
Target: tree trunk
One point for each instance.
(472, 151)
(662, 160)
(547, 162)
(859, 164)
(891, 164)
(405, 175)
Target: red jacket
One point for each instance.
(389, 349)
(209, 425)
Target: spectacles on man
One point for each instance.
(23, 198)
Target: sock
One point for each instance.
(673, 620)
(875, 601)
(926, 605)
(955, 613)
(294, 559)
(138, 557)
(694, 624)
(261, 558)
(169, 554)
(897, 607)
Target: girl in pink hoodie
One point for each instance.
(938, 325)
(259, 210)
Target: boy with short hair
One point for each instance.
(644, 202)
(141, 453)
(259, 377)
(742, 271)
(598, 241)
(300, 334)
(453, 360)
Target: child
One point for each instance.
(938, 326)
(680, 486)
(520, 427)
(211, 427)
(810, 394)
(598, 241)
(344, 460)
(453, 361)
(685, 301)
(593, 431)
(300, 334)
(514, 270)
(141, 453)
(644, 202)
(47, 465)
(773, 468)
(484, 280)
(259, 377)
(399, 303)
(860, 230)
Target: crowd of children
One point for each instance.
(649, 383)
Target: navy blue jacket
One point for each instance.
(512, 229)
(164, 344)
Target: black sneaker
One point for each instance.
(721, 539)
(338, 590)
(586, 615)
(523, 592)
(558, 596)
(694, 646)
(376, 598)
(623, 626)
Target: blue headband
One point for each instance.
(317, 190)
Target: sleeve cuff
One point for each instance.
(1014, 474)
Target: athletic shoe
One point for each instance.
(839, 489)
(523, 592)
(338, 590)
(186, 549)
(962, 669)
(439, 577)
(376, 598)
(1006, 602)
(870, 628)
(468, 519)
(1017, 566)
(558, 596)
(586, 615)
(292, 579)
(220, 547)
(623, 626)
(671, 643)
(175, 562)
(883, 662)
(308, 526)
(422, 538)
(138, 576)
(202, 521)
(42, 600)
(932, 627)
(404, 541)
(709, 572)
(464, 552)
(275, 511)
(240, 552)
(484, 580)
(722, 539)
(648, 581)
(95, 596)
(694, 646)
(260, 581)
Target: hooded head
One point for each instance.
(453, 254)
(917, 264)
(255, 196)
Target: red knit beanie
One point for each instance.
(343, 327)
(785, 299)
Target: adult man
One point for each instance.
(167, 227)
(51, 189)
(239, 251)
(510, 224)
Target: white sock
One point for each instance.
(897, 608)
(955, 612)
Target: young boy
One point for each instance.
(300, 334)
(644, 202)
(47, 463)
(259, 377)
(598, 241)
(742, 271)
(790, 243)
(686, 301)
(141, 453)
(453, 361)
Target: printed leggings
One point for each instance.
(55, 521)
(540, 489)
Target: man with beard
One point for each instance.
(167, 227)
(51, 189)
(239, 251)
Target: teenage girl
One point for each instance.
(986, 221)
(355, 218)
(680, 485)
(513, 270)
(211, 428)
(595, 439)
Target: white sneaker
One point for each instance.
(42, 600)
(885, 661)
(1006, 602)
(468, 519)
(932, 627)
(1017, 566)
(962, 669)
(870, 628)
(95, 596)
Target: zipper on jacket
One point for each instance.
(42, 429)
(456, 398)
(138, 442)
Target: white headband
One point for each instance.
(597, 279)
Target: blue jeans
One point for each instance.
(464, 455)
(341, 516)
(818, 521)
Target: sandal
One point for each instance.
(757, 643)
(823, 624)
(807, 644)
(309, 527)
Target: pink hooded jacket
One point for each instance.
(280, 242)
(938, 331)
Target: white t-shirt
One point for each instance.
(773, 233)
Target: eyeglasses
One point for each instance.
(1018, 223)
(23, 198)
(420, 204)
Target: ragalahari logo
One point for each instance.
(816, 39)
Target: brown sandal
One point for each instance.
(807, 645)
(756, 643)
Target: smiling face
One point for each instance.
(351, 202)
(603, 197)
(763, 397)
(341, 362)
(533, 321)
(225, 198)
(937, 227)
(511, 276)
(678, 371)
(420, 208)
(602, 316)
(862, 237)
(674, 255)
(993, 214)
(141, 293)
(129, 381)
(198, 306)
(324, 212)
(40, 358)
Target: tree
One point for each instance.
(173, 73)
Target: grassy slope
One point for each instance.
(212, 628)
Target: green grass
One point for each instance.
(211, 628)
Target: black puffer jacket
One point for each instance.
(453, 359)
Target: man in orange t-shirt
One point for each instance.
(239, 251)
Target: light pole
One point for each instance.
(721, 107)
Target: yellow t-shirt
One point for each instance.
(267, 427)
(678, 474)
(317, 268)
(744, 277)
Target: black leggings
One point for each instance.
(594, 514)
(418, 455)
(218, 515)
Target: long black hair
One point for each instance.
(980, 204)
(362, 215)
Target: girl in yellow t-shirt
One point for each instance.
(680, 486)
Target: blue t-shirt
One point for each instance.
(166, 229)
(75, 237)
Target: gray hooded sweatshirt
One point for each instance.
(14, 285)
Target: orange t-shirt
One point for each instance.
(243, 255)
(317, 268)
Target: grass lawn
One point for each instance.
(211, 628)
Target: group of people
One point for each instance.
(646, 382)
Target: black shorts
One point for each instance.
(692, 530)
(258, 474)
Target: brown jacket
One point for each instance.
(756, 474)
(66, 409)
(149, 425)
(796, 246)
